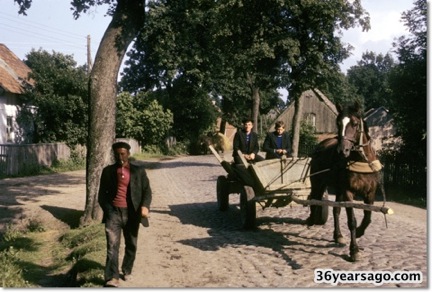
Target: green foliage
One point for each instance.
(56, 109)
(231, 49)
(11, 273)
(17, 249)
(35, 225)
(338, 89)
(194, 112)
(408, 81)
(308, 139)
(11, 234)
(142, 118)
(76, 237)
(88, 249)
(370, 78)
(82, 250)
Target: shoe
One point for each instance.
(127, 277)
(112, 283)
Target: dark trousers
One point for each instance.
(120, 220)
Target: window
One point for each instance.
(310, 119)
(9, 129)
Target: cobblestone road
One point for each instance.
(190, 243)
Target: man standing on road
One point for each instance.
(246, 141)
(125, 196)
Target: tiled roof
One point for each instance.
(13, 72)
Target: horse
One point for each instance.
(348, 166)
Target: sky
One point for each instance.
(50, 25)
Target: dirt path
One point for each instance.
(190, 243)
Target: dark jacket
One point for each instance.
(240, 143)
(139, 192)
(270, 144)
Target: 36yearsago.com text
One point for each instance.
(378, 278)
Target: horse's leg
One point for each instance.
(317, 191)
(337, 234)
(364, 224)
(352, 224)
(367, 216)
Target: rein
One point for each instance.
(373, 166)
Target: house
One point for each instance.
(317, 110)
(230, 130)
(382, 129)
(13, 81)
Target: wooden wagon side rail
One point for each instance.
(384, 210)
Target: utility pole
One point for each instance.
(89, 59)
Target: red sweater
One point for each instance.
(123, 178)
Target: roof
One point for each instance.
(13, 72)
(378, 117)
(326, 101)
(323, 109)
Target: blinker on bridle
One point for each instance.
(358, 145)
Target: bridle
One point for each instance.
(358, 144)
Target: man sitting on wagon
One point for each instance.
(246, 141)
(278, 142)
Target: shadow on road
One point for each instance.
(16, 193)
(225, 230)
(69, 216)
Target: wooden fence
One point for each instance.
(16, 157)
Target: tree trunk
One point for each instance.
(298, 109)
(255, 101)
(255, 108)
(222, 127)
(127, 21)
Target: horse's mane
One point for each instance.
(366, 129)
(325, 145)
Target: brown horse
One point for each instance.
(347, 166)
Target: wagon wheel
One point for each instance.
(322, 212)
(247, 208)
(222, 193)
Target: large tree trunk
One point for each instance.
(127, 21)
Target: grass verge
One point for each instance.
(47, 258)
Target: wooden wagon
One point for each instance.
(273, 183)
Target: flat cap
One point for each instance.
(120, 144)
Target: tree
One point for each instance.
(408, 81)
(370, 78)
(241, 51)
(142, 118)
(57, 105)
(127, 21)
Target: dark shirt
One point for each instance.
(271, 143)
(245, 144)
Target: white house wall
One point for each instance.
(7, 110)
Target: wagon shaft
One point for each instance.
(384, 210)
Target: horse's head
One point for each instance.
(350, 127)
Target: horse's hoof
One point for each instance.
(340, 240)
(355, 257)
